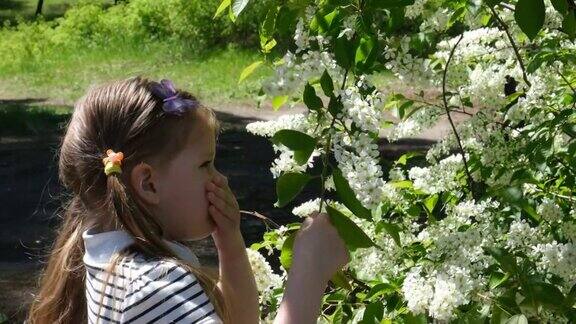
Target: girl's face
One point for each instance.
(182, 207)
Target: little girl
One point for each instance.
(138, 157)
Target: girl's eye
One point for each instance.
(205, 164)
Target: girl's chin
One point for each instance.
(209, 230)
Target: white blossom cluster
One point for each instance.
(312, 206)
(266, 279)
(363, 111)
(549, 210)
(358, 158)
(420, 121)
(521, 236)
(437, 178)
(439, 293)
(298, 122)
(285, 161)
(558, 259)
(439, 288)
(307, 63)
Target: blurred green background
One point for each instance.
(58, 54)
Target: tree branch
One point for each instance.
(470, 181)
(327, 149)
(513, 43)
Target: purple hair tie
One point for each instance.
(173, 103)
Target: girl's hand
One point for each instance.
(318, 250)
(223, 207)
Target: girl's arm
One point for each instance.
(237, 282)
(318, 253)
(302, 298)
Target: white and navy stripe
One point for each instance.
(152, 291)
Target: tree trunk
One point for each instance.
(39, 7)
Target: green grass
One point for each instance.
(36, 98)
(65, 76)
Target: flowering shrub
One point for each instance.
(481, 228)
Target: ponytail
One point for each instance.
(61, 298)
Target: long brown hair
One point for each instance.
(123, 116)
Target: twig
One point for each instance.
(450, 117)
(258, 215)
(567, 83)
(325, 156)
(506, 6)
(513, 43)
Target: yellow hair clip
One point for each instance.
(113, 162)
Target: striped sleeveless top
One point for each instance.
(141, 289)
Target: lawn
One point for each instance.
(213, 76)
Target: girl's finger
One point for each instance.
(218, 217)
(222, 180)
(224, 193)
(222, 206)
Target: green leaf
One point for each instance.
(343, 52)
(335, 105)
(323, 23)
(560, 5)
(569, 24)
(289, 185)
(506, 260)
(545, 294)
(302, 144)
(391, 3)
(506, 303)
(352, 235)
(514, 196)
(392, 229)
(286, 251)
(571, 297)
(269, 45)
(312, 101)
(383, 288)
(403, 184)
(339, 279)
(517, 319)
(223, 5)
(402, 109)
(373, 313)
(327, 84)
(364, 49)
(249, 70)
(497, 279)
(529, 15)
(430, 202)
(348, 197)
(267, 29)
(238, 6)
(278, 101)
(410, 318)
(492, 3)
(407, 156)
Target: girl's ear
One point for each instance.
(143, 179)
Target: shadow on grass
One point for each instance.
(28, 117)
(11, 5)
